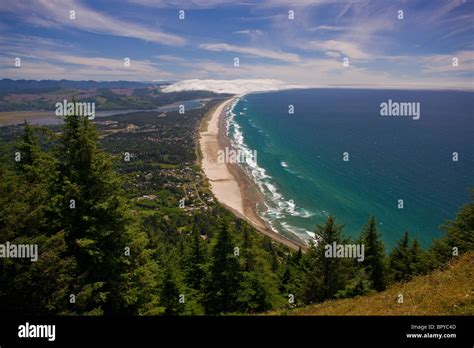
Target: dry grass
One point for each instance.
(445, 292)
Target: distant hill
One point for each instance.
(31, 86)
(444, 292)
(32, 95)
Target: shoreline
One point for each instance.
(229, 183)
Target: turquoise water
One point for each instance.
(300, 167)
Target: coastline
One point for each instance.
(229, 183)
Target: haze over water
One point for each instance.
(304, 178)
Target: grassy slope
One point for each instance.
(445, 292)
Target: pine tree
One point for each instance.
(25, 190)
(325, 275)
(224, 277)
(286, 280)
(248, 250)
(419, 262)
(39, 287)
(29, 148)
(96, 225)
(195, 262)
(374, 255)
(458, 238)
(258, 292)
(258, 289)
(291, 278)
(401, 259)
(170, 294)
(297, 257)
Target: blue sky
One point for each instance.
(383, 50)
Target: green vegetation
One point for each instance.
(374, 265)
(447, 291)
(106, 98)
(114, 241)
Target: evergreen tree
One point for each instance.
(374, 255)
(96, 225)
(419, 259)
(297, 257)
(196, 262)
(258, 289)
(224, 277)
(258, 292)
(23, 189)
(458, 238)
(325, 275)
(248, 250)
(286, 280)
(170, 294)
(29, 148)
(292, 277)
(401, 259)
(39, 287)
(359, 284)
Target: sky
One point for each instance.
(307, 49)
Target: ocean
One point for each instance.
(337, 155)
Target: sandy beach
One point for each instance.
(223, 184)
(229, 183)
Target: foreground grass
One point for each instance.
(449, 291)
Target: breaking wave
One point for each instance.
(278, 207)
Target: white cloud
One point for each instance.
(299, 3)
(327, 27)
(180, 4)
(239, 86)
(250, 32)
(443, 63)
(55, 13)
(310, 73)
(257, 52)
(170, 58)
(344, 48)
(44, 64)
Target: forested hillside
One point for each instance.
(447, 291)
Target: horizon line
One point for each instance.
(288, 86)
